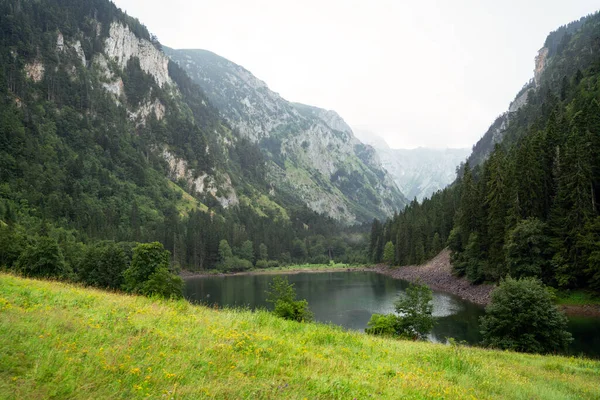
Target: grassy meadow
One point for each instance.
(63, 341)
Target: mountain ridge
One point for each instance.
(312, 152)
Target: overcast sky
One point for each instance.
(418, 73)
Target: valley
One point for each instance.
(171, 226)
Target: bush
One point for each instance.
(522, 317)
(382, 324)
(235, 264)
(273, 264)
(163, 283)
(262, 264)
(415, 318)
(103, 265)
(149, 272)
(43, 259)
(283, 295)
(295, 310)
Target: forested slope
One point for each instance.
(530, 208)
(102, 137)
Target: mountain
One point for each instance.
(527, 204)
(312, 153)
(103, 137)
(419, 172)
(549, 72)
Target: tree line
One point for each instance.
(532, 208)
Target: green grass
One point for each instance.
(577, 298)
(64, 341)
(310, 267)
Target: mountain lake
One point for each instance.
(349, 299)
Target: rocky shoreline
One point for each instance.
(437, 274)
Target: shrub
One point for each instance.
(382, 324)
(273, 264)
(235, 264)
(43, 258)
(415, 318)
(103, 265)
(262, 264)
(283, 295)
(522, 317)
(149, 272)
(163, 283)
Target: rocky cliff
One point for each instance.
(312, 153)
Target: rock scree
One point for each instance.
(437, 274)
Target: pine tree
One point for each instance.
(388, 253)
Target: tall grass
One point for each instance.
(64, 341)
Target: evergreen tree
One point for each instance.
(388, 253)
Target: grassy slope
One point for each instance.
(58, 340)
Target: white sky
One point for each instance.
(418, 73)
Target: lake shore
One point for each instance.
(279, 270)
(436, 273)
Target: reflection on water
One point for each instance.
(350, 298)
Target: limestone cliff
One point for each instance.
(312, 152)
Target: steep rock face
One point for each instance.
(203, 183)
(312, 152)
(540, 64)
(35, 71)
(122, 45)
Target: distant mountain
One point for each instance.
(312, 153)
(418, 172)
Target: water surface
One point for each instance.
(350, 298)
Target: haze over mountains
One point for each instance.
(418, 172)
(311, 152)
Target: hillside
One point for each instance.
(565, 50)
(311, 152)
(65, 341)
(103, 137)
(527, 202)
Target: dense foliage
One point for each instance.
(522, 317)
(413, 320)
(532, 208)
(82, 182)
